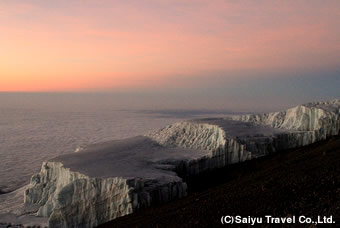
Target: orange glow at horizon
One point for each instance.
(87, 45)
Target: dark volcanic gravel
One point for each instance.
(303, 181)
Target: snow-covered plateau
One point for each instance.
(112, 179)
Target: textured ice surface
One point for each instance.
(128, 158)
(112, 179)
(108, 180)
(13, 211)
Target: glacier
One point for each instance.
(111, 179)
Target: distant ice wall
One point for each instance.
(317, 120)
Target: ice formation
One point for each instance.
(112, 179)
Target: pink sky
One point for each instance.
(99, 45)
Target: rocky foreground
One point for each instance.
(112, 179)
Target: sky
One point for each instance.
(196, 52)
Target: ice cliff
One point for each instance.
(316, 121)
(107, 180)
